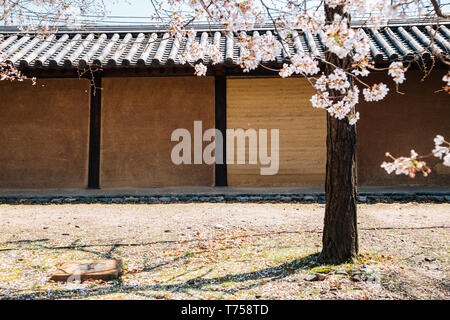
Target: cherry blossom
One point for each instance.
(353, 118)
(411, 165)
(339, 37)
(322, 83)
(301, 64)
(339, 107)
(375, 93)
(446, 79)
(441, 149)
(200, 69)
(344, 107)
(257, 48)
(447, 160)
(397, 72)
(361, 68)
(239, 19)
(338, 80)
(406, 165)
(361, 49)
(320, 100)
(196, 51)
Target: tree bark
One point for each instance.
(340, 234)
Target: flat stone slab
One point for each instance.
(83, 270)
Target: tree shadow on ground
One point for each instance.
(26, 241)
(199, 283)
(78, 246)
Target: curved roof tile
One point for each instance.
(156, 47)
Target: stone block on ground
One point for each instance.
(82, 270)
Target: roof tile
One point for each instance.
(155, 47)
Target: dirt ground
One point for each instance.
(223, 251)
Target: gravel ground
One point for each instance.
(223, 251)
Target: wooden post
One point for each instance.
(94, 131)
(220, 85)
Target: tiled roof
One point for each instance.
(140, 46)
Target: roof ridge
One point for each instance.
(201, 27)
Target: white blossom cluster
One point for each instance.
(301, 64)
(338, 80)
(341, 39)
(376, 92)
(239, 18)
(306, 21)
(378, 12)
(257, 48)
(200, 69)
(195, 53)
(234, 15)
(353, 118)
(446, 79)
(397, 72)
(11, 73)
(411, 165)
(406, 165)
(339, 107)
(441, 149)
(344, 107)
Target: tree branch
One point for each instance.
(437, 9)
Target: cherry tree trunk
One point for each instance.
(340, 234)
